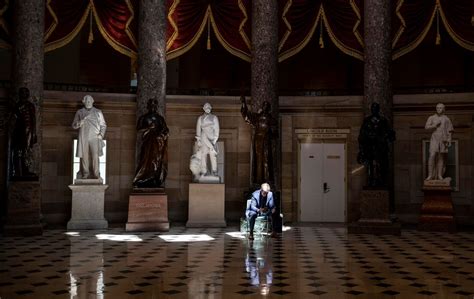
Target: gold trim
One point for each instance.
(180, 51)
(69, 37)
(227, 46)
(345, 49)
(127, 29)
(411, 46)
(118, 47)
(242, 24)
(175, 34)
(295, 50)
(2, 20)
(356, 25)
(55, 21)
(402, 26)
(458, 39)
(288, 25)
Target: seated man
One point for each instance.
(262, 204)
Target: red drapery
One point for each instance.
(5, 22)
(227, 19)
(340, 21)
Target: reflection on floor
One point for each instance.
(307, 262)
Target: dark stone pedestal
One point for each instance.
(23, 217)
(374, 215)
(437, 209)
(148, 210)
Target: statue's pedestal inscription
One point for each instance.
(437, 209)
(374, 215)
(148, 210)
(206, 205)
(87, 210)
(23, 209)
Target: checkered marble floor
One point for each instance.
(306, 262)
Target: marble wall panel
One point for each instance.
(410, 114)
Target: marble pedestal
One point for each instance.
(374, 215)
(437, 210)
(148, 210)
(87, 210)
(206, 205)
(23, 217)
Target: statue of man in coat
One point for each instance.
(91, 124)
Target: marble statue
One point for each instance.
(204, 169)
(152, 162)
(440, 141)
(24, 134)
(263, 147)
(91, 124)
(374, 138)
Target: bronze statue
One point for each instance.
(152, 163)
(264, 132)
(374, 138)
(24, 134)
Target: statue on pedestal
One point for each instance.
(264, 132)
(24, 135)
(91, 124)
(152, 162)
(207, 134)
(374, 138)
(440, 142)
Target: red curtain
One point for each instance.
(344, 24)
(5, 24)
(299, 19)
(340, 21)
(415, 19)
(114, 18)
(458, 18)
(188, 18)
(231, 20)
(63, 21)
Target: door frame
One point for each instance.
(322, 136)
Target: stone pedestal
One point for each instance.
(374, 215)
(87, 210)
(148, 210)
(23, 218)
(206, 205)
(437, 209)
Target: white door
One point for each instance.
(322, 188)
(311, 160)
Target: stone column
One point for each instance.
(378, 55)
(28, 59)
(264, 66)
(151, 55)
(24, 197)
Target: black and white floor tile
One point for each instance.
(306, 262)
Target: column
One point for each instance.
(24, 195)
(151, 55)
(264, 66)
(378, 55)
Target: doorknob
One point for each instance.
(326, 189)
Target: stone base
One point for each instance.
(437, 210)
(98, 181)
(209, 179)
(24, 211)
(206, 205)
(87, 207)
(147, 211)
(83, 224)
(374, 215)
